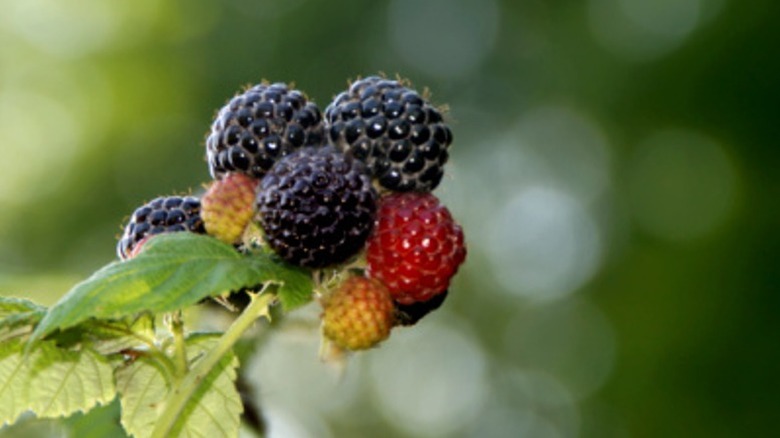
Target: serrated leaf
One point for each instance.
(174, 271)
(18, 317)
(113, 336)
(51, 382)
(11, 306)
(142, 387)
(214, 410)
(101, 422)
(215, 407)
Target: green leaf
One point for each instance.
(174, 271)
(11, 306)
(215, 407)
(100, 422)
(296, 286)
(214, 410)
(18, 317)
(113, 336)
(142, 387)
(51, 382)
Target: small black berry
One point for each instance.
(165, 214)
(259, 126)
(316, 207)
(399, 135)
(409, 314)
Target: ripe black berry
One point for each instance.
(162, 215)
(256, 128)
(409, 314)
(398, 134)
(317, 207)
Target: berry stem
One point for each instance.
(180, 354)
(182, 392)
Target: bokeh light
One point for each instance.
(571, 341)
(21, 116)
(443, 360)
(444, 38)
(572, 149)
(267, 10)
(283, 423)
(547, 405)
(682, 184)
(643, 30)
(544, 244)
(291, 356)
(69, 28)
(532, 213)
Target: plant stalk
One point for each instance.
(180, 352)
(184, 389)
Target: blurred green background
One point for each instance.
(613, 166)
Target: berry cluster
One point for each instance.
(350, 193)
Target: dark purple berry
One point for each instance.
(258, 127)
(166, 214)
(398, 134)
(316, 207)
(409, 314)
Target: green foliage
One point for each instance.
(51, 381)
(17, 307)
(18, 316)
(101, 422)
(100, 342)
(142, 385)
(114, 336)
(213, 410)
(174, 271)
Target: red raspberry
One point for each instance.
(416, 247)
(358, 315)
